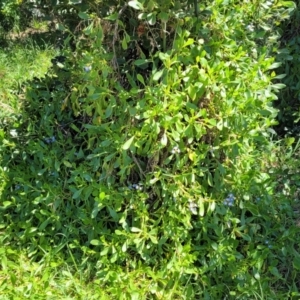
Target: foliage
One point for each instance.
(143, 158)
(288, 103)
(17, 14)
(11, 14)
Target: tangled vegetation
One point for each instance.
(138, 153)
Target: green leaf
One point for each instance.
(83, 16)
(140, 78)
(157, 75)
(127, 145)
(163, 16)
(60, 27)
(164, 140)
(151, 18)
(212, 206)
(201, 209)
(104, 251)
(289, 141)
(124, 247)
(112, 17)
(209, 179)
(246, 237)
(124, 44)
(212, 122)
(135, 229)
(74, 127)
(164, 56)
(95, 242)
(135, 4)
(188, 42)
(274, 65)
(113, 214)
(290, 4)
(140, 62)
(296, 263)
(102, 195)
(275, 272)
(67, 164)
(77, 193)
(7, 203)
(95, 212)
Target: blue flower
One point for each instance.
(137, 187)
(50, 140)
(229, 201)
(87, 68)
(267, 242)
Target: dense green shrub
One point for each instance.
(143, 152)
(288, 103)
(17, 14)
(9, 13)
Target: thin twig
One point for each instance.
(138, 164)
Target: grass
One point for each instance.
(21, 61)
(53, 278)
(23, 279)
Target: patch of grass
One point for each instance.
(21, 62)
(39, 25)
(52, 277)
(47, 279)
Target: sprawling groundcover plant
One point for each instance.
(143, 152)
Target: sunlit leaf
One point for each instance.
(135, 4)
(128, 143)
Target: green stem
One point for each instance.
(196, 8)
